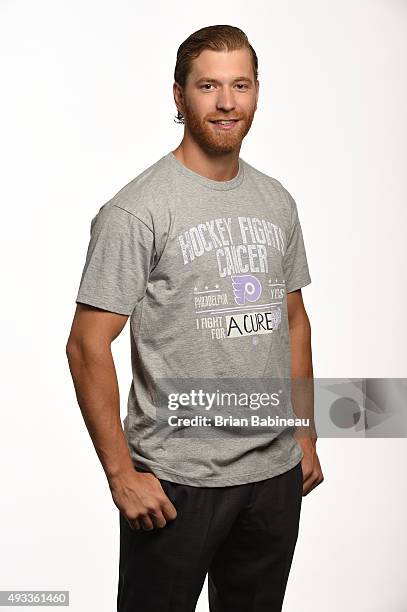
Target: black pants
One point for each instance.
(243, 536)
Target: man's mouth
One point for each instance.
(225, 124)
(224, 121)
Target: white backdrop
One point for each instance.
(87, 105)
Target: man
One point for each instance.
(206, 255)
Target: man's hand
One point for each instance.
(142, 500)
(302, 395)
(311, 468)
(140, 497)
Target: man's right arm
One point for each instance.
(139, 496)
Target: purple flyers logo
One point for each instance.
(246, 288)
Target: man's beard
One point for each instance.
(215, 140)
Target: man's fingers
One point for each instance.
(161, 515)
(312, 487)
(134, 523)
(169, 510)
(313, 481)
(154, 510)
(158, 519)
(146, 522)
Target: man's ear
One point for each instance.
(257, 93)
(178, 96)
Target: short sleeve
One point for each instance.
(118, 262)
(295, 263)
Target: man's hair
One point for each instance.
(216, 38)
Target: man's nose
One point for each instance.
(225, 99)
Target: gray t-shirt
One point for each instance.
(203, 268)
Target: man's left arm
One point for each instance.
(303, 388)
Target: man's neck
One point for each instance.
(221, 167)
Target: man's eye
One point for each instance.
(240, 86)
